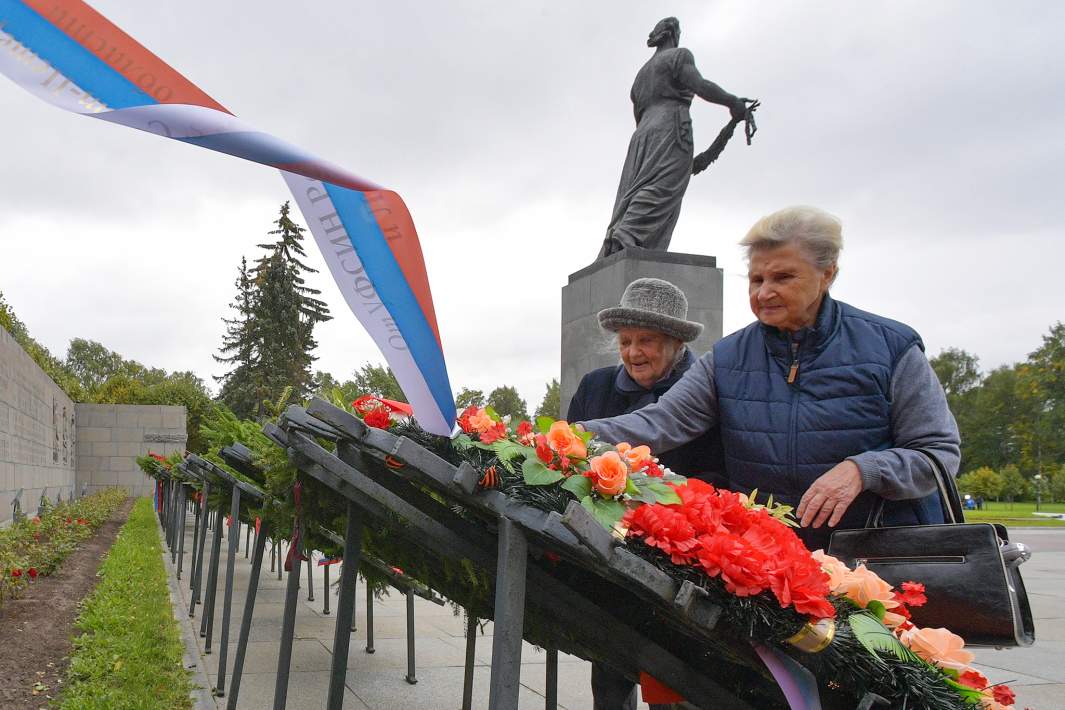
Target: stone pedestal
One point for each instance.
(585, 347)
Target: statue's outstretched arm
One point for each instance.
(707, 90)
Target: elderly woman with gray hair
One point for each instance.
(825, 406)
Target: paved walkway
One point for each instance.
(376, 681)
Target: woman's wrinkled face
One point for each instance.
(785, 287)
(648, 355)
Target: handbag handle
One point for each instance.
(948, 496)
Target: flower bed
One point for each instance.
(36, 546)
(130, 652)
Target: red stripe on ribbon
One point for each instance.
(122, 53)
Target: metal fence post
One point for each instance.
(410, 678)
(227, 601)
(245, 622)
(369, 619)
(509, 617)
(471, 649)
(345, 607)
(288, 624)
(207, 624)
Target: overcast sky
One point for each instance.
(934, 130)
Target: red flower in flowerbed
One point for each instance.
(16, 572)
(749, 550)
(32, 572)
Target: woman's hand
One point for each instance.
(830, 495)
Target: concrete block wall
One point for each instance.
(112, 436)
(37, 432)
(584, 345)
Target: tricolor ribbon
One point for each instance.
(795, 680)
(73, 57)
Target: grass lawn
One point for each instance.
(1016, 514)
(130, 652)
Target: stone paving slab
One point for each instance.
(377, 681)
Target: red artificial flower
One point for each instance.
(912, 594)
(902, 610)
(494, 433)
(525, 433)
(366, 404)
(973, 679)
(543, 450)
(32, 572)
(663, 527)
(653, 469)
(379, 418)
(1003, 695)
(748, 549)
(464, 418)
(742, 567)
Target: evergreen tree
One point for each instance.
(240, 391)
(271, 339)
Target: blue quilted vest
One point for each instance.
(780, 436)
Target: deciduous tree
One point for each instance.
(506, 400)
(551, 403)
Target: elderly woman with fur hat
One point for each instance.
(652, 332)
(827, 407)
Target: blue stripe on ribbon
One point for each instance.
(254, 145)
(395, 293)
(72, 60)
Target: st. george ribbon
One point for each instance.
(71, 56)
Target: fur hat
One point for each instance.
(653, 304)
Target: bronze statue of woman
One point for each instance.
(659, 162)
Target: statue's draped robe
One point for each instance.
(659, 162)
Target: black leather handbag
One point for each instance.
(970, 571)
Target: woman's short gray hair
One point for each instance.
(817, 232)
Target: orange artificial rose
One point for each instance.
(610, 474)
(938, 646)
(837, 571)
(481, 422)
(636, 456)
(862, 586)
(561, 438)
